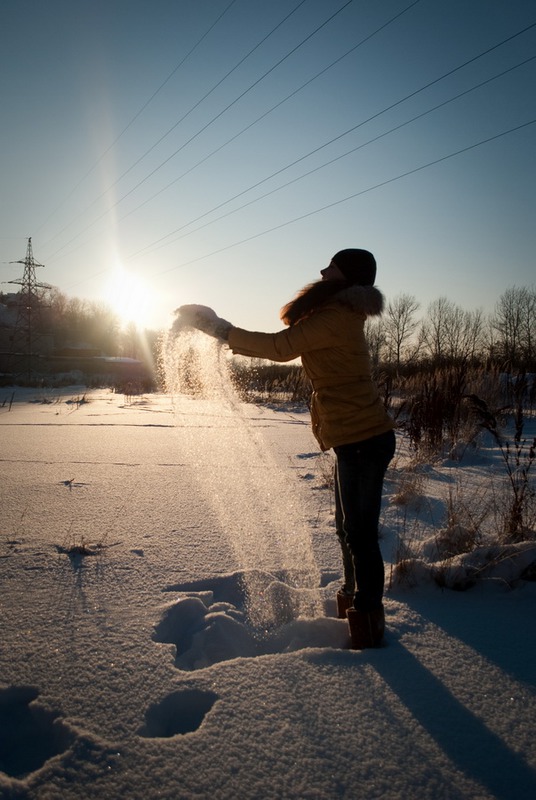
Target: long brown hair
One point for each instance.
(310, 298)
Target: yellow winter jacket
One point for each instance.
(345, 404)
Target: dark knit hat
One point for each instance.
(357, 266)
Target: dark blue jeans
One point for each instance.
(359, 472)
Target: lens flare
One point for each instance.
(129, 297)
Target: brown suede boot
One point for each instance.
(366, 628)
(344, 602)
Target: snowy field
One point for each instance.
(168, 571)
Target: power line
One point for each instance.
(331, 141)
(335, 203)
(196, 105)
(263, 116)
(352, 196)
(258, 119)
(346, 133)
(240, 96)
(321, 166)
(201, 130)
(134, 118)
(176, 124)
(412, 94)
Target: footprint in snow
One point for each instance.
(177, 714)
(245, 615)
(30, 735)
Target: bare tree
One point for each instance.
(513, 323)
(451, 334)
(102, 327)
(433, 333)
(73, 321)
(465, 334)
(400, 325)
(375, 336)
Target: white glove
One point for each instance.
(204, 319)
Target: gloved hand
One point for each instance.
(204, 319)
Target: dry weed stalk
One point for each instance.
(411, 482)
(518, 458)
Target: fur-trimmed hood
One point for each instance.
(367, 300)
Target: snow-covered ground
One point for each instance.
(168, 571)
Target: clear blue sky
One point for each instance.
(221, 152)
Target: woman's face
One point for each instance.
(332, 273)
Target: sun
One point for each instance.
(129, 297)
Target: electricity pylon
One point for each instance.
(26, 335)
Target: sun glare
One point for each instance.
(129, 297)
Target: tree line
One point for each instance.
(75, 323)
(448, 334)
(400, 338)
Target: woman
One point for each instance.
(326, 328)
